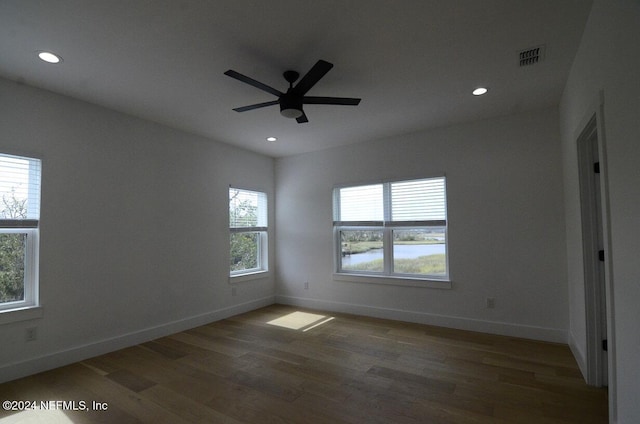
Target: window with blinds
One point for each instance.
(248, 231)
(395, 228)
(19, 219)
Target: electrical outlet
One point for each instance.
(31, 334)
(306, 285)
(491, 302)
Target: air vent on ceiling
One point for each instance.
(531, 56)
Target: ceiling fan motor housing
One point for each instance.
(291, 105)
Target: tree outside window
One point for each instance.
(12, 251)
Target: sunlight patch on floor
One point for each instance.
(303, 321)
(34, 416)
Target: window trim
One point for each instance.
(394, 280)
(31, 286)
(387, 226)
(262, 270)
(263, 257)
(26, 313)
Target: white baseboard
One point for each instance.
(579, 354)
(79, 353)
(493, 327)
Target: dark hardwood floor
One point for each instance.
(285, 365)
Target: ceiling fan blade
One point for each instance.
(256, 106)
(251, 81)
(312, 77)
(302, 118)
(347, 101)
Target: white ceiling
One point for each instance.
(413, 63)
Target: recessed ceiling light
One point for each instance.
(479, 91)
(49, 57)
(272, 139)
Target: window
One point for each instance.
(248, 232)
(19, 217)
(393, 229)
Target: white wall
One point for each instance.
(134, 228)
(506, 226)
(609, 61)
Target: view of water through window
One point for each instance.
(399, 251)
(408, 258)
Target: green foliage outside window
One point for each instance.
(12, 248)
(244, 251)
(12, 251)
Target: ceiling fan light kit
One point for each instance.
(291, 102)
(290, 106)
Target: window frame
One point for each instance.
(31, 295)
(262, 231)
(29, 306)
(387, 226)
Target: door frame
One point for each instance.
(600, 364)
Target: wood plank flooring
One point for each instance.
(314, 369)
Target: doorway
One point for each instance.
(595, 253)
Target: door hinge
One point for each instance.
(601, 255)
(596, 167)
(605, 345)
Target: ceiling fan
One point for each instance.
(291, 102)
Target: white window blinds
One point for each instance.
(418, 200)
(19, 191)
(362, 203)
(247, 209)
(401, 203)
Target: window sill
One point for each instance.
(21, 314)
(248, 277)
(393, 281)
